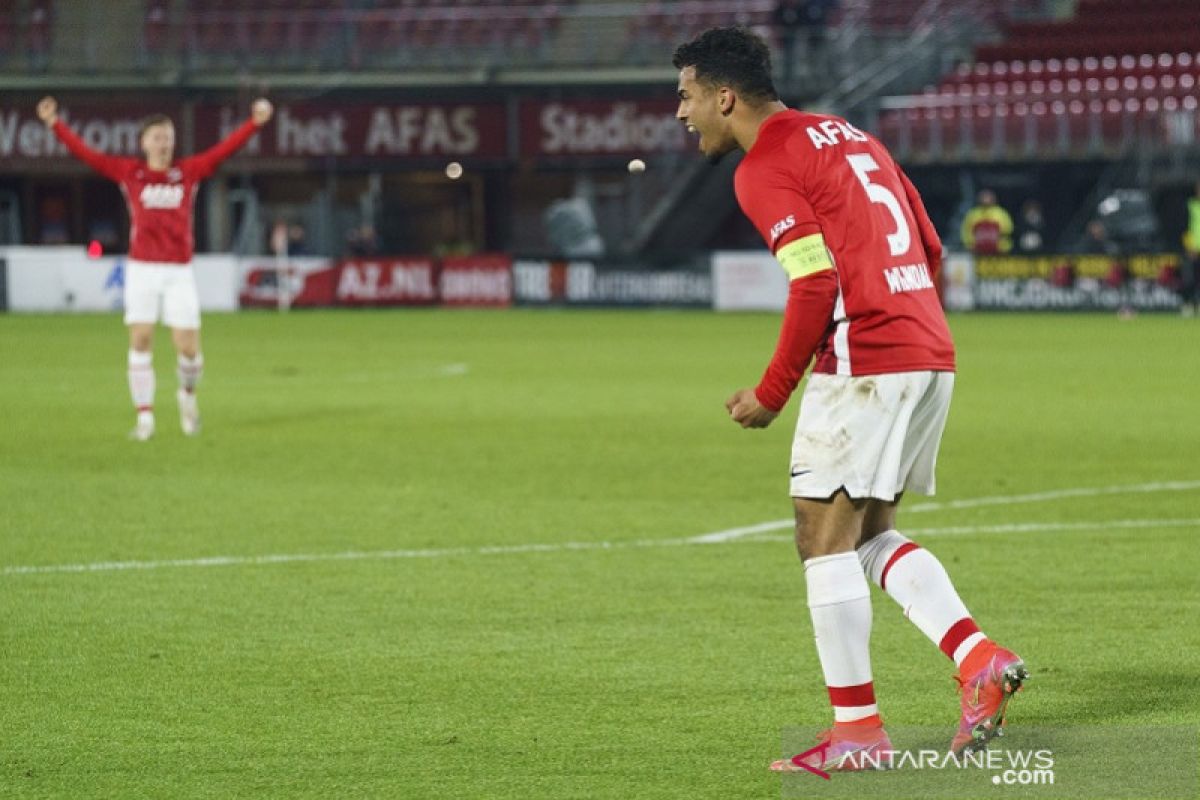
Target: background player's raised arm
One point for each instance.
(111, 167)
(205, 163)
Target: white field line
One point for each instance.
(975, 502)
(1058, 494)
(1023, 527)
(559, 547)
(744, 533)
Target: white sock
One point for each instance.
(141, 380)
(839, 599)
(915, 579)
(189, 371)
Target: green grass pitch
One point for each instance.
(630, 670)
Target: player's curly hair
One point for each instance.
(733, 57)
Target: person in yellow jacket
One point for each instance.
(1192, 235)
(1190, 290)
(987, 228)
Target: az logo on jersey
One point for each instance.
(785, 224)
(161, 195)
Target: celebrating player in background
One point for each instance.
(862, 257)
(160, 193)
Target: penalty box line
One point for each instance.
(561, 547)
(750, 533)
(976, 502)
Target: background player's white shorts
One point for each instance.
(874, 435)
(151, 287)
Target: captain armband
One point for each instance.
(805, 256)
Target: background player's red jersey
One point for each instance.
(814, 173)
(160, 202)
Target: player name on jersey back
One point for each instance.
(829, 131)
(908, 278)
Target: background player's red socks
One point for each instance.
(141, 380)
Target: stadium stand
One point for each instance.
(898, 15)
(455, 33)
(661, 25)
(385, 34)
(960, 86)
(224, 36)
(1092, 85)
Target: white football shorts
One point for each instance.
(873, 435)
(152, 287)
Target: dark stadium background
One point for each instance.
(1050, 100)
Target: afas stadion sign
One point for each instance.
(371, 132)
(368, 131)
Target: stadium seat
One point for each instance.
(269, 30)
(155, 28)
(39, 27)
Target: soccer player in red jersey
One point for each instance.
(159, 282)
(862, 259)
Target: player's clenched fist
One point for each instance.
(746, 411)
(261, 111)
(47, 111)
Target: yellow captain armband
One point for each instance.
(805, 256)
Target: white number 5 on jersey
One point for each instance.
(863, 165)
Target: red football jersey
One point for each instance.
(160, 202)
(815, 173)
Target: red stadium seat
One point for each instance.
(1042, 125)
(923, 122)
(948, 130)
(1112, 123)
(155, 27)
(39, 27)
(269, 31)
(987, 129)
